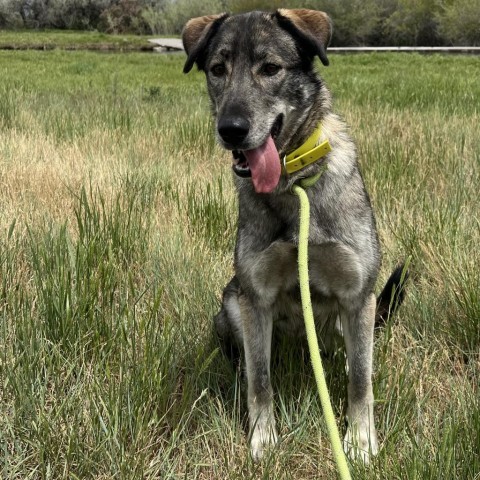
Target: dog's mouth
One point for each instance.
(241, 165)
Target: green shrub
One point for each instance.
(459, 22)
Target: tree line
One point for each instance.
(356, 22)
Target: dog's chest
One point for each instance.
(276, 281)
(334, 270)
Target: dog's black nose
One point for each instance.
(233, 129)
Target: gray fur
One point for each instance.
(343, 244)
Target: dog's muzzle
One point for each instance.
(240, 163)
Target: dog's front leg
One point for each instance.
(257, 336)
(361, 437)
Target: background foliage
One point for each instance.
(357, 22)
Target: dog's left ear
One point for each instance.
(313, 28)
(196, 35)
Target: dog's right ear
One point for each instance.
(196, 35)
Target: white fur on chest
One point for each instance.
(334, 270)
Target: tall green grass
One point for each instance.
(117, 229)
(71, 40)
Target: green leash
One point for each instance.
(338, 452)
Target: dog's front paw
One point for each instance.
(262, 439)
(360, 443)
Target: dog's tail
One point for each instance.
(392, 295)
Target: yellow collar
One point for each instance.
(307, 153)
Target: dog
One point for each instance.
(268, 102)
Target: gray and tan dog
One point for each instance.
(268, 100)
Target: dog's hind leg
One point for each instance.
(358, 331)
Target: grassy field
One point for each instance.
(71, 40)
(117, 225)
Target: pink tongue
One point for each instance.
(264, 163)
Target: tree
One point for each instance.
(459, 22)
(413, 23)
(11, 14)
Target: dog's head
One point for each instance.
(261, 81)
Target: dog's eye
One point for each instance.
(218, 70)
(270, 69)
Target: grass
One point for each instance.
(116, 234)
(71, 40)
